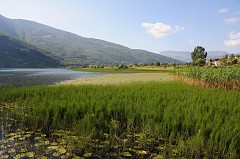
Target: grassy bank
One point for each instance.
(129, 70)
(136, 120)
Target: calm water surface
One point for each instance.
(27, 76)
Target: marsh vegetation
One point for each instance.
(217, 77)
(165, 119)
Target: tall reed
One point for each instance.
(198, 122)
(217, 77)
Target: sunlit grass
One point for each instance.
(138, 120)
(222, 77)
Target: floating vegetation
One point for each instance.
(119, 79)
(28, 144)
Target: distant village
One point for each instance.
(231, 59)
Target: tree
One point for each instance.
(234, 61)
(231, 56)
(200, 62)
(157, 63)
(122, 66)
(199, 56)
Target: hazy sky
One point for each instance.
(154, 25)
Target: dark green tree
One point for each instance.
(157, 63)
(122, 66)
(199, 56)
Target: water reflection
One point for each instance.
(23, 76)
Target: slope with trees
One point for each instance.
(72, 49)
(15, 53)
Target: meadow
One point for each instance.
(148, 119)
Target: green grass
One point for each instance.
(222, 77)
(138, 120)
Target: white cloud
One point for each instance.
(231, 20)
(160, 29)
(223, 10)
(234, 39)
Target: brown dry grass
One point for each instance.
(120, 78)
(231, 85)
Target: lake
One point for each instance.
(29, 76)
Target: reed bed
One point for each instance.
(136, 120)
(216, 77)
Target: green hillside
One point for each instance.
(15, 53)
(73, 49)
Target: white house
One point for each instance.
(217, 63)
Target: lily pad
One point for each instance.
(38, 138)
(30, 154)
(22, 138)
(18, 156)
(74, 137)
(52, 147)
(77, 157)
(11, 139)
(23, 150)
(38, 144)
(61, 150)
(54, 143)
(62, 141)
(127, 154)
(142, 152)
(4, 156)
(56, 154)
(46, 142)
(87, 155)
(138, 135)
(12, 150)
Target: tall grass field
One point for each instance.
(136, 120)
(217, 77)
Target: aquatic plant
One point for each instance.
(137, 120)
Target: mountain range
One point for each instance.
(72, 49)
(186, 55)
(17, 54)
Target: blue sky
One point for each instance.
(153, 25)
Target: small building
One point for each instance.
(218, 63)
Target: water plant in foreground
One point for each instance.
(137, 120)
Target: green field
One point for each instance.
(129, 70)
(218, 77)
(136, 120)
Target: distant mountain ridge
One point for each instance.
(15, 53)
(186, 55)
(72, 49)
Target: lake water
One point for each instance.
(27, 76)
